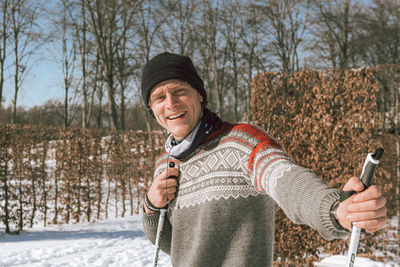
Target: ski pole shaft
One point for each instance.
(161, 222)
(158, 237)
(367, 174)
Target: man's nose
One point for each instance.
(171, 100)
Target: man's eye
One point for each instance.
(158, 99)
(180, 92)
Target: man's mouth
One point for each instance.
(177, 116)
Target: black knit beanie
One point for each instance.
(166, 66)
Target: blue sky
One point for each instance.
(44, 82)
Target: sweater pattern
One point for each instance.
(223, 212)
(222, 168)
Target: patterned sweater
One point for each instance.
(223, 214)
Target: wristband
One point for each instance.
(334, 218)
(149, 205)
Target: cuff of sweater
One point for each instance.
(331, 231)
(150, 219)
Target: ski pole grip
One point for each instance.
(367, 173)
(172, 165)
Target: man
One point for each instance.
(227, 177)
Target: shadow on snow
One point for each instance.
(70, 235)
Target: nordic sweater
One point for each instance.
(223, 213)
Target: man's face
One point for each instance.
(176, 106)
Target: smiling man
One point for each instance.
(228, 177)
(177, 107)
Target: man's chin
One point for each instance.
(179, 134)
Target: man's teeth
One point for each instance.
(176, 116)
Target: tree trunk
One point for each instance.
(20, 195)
(33, 184)
(82, 44)
(130, 195)
(122, 111)
(99, 177)
(80, 170)
(69, 191)
(116, 197)
(112, 111)
(14, 101)
(66, 104)
(44, 178)
(56, 196)
(3, 48)
(4, 174)
(108, 193)
(88, 196)
(16, 66)
(123, 197)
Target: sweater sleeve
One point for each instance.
(305, 198)
(150, 225)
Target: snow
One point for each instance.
(339, 261)
(113, 242)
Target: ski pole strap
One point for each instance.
(151, 206)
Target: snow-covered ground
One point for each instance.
(112, 242)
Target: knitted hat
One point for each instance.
(166, 66)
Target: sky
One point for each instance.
(44, 82)
(44, 79)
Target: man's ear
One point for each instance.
(201, 98)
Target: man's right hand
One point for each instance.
(162, 189)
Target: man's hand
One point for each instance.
(365, 210)
(162, 186)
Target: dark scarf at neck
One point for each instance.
(208, 123)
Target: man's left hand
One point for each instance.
(366, 210)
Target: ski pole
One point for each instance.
(367, 174)
(158, 237)
(161, 225)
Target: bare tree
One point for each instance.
(4, 27)
(254, 52)
(98, 83)
(334, 31)
(68, 56)
(379, 28)
(148, 26)
(124, 65)
(179, 33)
(285, 23)
(105, 18)
(232, 32)
(213, 51)
(81, 33)
(103, 15)
(26, 39)
(78, 14)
